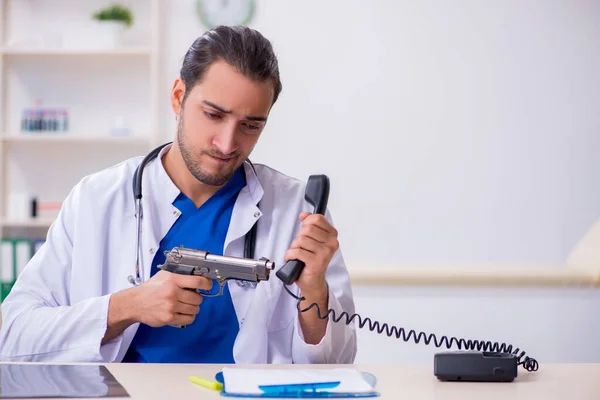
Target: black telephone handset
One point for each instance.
(486, 361)
(317, 194)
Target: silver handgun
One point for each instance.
(185, 261)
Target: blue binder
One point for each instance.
(307, 390)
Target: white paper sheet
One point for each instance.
(248, 380)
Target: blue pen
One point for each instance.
(297, 387)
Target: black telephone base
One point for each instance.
(475, 366)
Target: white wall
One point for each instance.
(462, 131)
(550, 325)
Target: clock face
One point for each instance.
(225, 12)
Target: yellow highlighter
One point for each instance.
(213, 385)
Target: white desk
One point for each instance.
(397, 382)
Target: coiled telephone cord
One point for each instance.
(528, 363)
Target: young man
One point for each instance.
(75, 300)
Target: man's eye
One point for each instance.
(252, 127)
(212, 115)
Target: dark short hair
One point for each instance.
(246, 49)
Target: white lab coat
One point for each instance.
(57, 310)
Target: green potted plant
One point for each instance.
(115, 12)
(112, 20)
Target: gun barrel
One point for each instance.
(200, 262)
(242, 262)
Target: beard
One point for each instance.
(193, 165)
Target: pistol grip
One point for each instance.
(221, 284)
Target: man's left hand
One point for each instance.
(315, 245)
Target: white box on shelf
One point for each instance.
(19, 205)
(104, 35)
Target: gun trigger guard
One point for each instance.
(222, 283)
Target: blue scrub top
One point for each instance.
(210, 338)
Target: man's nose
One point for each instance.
(225, 140)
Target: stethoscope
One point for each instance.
(249, 239)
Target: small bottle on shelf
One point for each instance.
(31, 120)
(45, 120)
(65, 120)
(39, 117)
(53, 124)
(25, 120)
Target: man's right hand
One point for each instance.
(165, 299)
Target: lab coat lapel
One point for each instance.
(245, 214)
(251, 341)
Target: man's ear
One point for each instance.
(177, 93)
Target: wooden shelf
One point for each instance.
(52, 137)
(27, 222)
(33, 51)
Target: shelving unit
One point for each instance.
(133, 51)
(72, 138)
(98, 87)
(27, 222)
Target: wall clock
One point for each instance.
(225, 12)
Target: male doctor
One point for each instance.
(74, 302)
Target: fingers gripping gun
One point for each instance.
(185, 261)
